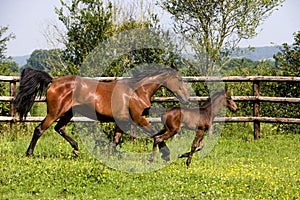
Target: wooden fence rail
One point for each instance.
(256, 99)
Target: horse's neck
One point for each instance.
(213, 107)
(150, 85)
(147, 90)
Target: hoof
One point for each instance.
(180, 156)
(188, 162)
(28, 155)
(158, 139)
(166, 158)
(76, 152)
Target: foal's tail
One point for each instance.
(32, 83)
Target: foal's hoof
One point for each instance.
(76, 152)
(166, 158)
(180, 156)
(188, 162)
(158, 139)
(28, 155)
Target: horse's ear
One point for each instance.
(226, 88)
(173, 66)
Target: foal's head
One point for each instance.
(229, 103)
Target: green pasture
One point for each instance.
(237, 167)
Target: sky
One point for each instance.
(30, 19)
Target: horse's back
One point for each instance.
(62, 84)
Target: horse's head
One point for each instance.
(230, 104)
(176, 85)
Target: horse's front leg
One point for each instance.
(145, 125)
(38, 131)
(117, 137)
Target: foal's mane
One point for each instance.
(209, 101)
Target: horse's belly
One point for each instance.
(90, 112)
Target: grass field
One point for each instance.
(236, 168)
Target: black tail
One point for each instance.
(32, 83)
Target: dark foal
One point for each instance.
(199, 119)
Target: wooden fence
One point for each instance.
(256, 99)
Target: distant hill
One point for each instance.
(21, 60)
(258, 53)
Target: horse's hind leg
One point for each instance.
(38, 133)
(60, 128)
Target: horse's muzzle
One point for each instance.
(233, 110)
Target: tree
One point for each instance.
(288, 61)
(46, 60)
(3, 42)
(105, 37)
(6, 66)
(215, 27)
(133, 44)
(87, 23)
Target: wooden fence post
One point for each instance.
(13, 86)
(256, 109)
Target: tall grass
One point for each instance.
(237, 167)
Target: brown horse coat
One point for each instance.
(121, 101)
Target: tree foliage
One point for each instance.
(98, 43)
(215, 27)
(7, 67)
(45, 60)
(87, 23)
(288, 61)
(3, 42)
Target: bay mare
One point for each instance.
(122, 101)
(198, 119)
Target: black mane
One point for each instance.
(141, 74)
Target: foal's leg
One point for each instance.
(195, 146)
(60, 128)
(155, 145)
(39, 130)
(163, 148)
(165, 136)
(200, 146)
